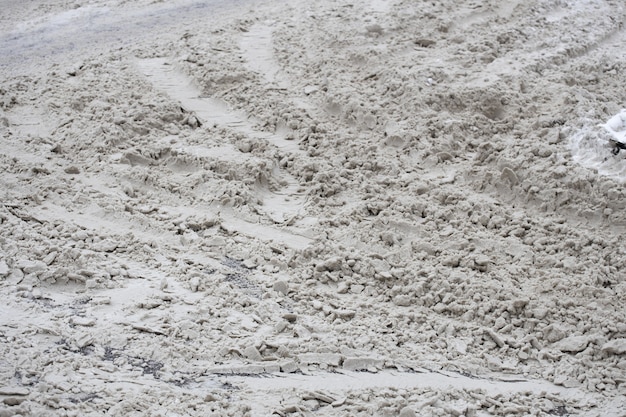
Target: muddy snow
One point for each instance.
(333, 208)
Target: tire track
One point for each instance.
(282, 206)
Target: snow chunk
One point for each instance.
(616, 346)
(573, 344)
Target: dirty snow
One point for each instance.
(325, 208)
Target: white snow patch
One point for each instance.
(591, 147)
